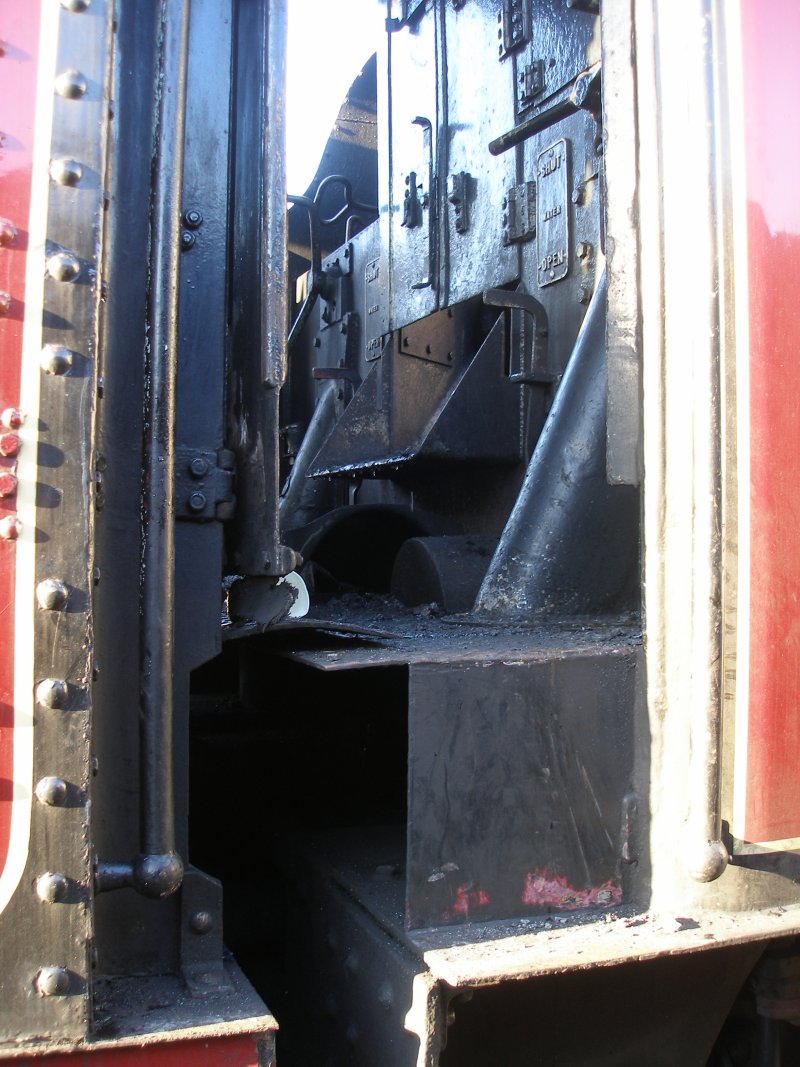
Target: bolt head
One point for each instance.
(63, 266)
(52, 594)
(52, 693)
(10, 444)
(52, 982)
(8, 483)
(187, 240)
(202, 922)
(71, 85)
(198, 468)
(8, 232)
(10, 528)
(197, 502)
(65, 171)
(52, 888)
(192, 218)
(5, 303)
(52, 791)
(12, 418)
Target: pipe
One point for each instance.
(583, 96)
(274, 254)
(158, 869)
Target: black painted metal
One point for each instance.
(46, 930)
(258, 300)
(571, 542)
(516, 782)
(158, 870)
(585, 94)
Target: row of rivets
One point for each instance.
(11, 418)
(52, 594)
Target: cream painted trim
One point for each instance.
(30, 373)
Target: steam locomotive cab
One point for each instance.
(392, 549)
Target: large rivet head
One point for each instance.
(8, 231)
(52, 791)
(8, 483)
(10, 444)
(52, 888)
(5, 303)
(71, 84)
(52, 594)
(52, 982)
(10, 528)
(52, 692)
(65, 171)
(55, 359)
(11, 418)
(63, 266)
(75, 5)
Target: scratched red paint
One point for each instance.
(542, 887)
(20, 32)
(770, 33)
(240, 1050)
(467, 900)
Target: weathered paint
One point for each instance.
(467, 904)
(772, 147)
(241, 1050)
(18, 93)
(542, 887)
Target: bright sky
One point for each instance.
(329, 42)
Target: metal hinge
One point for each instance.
(519, 213)
(458, 188)
(513, 29)
(530, 83)
(204, 484)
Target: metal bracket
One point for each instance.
(519, 213)
(203, 484)
(528, 360)
(458, 188)
(201, 935)
(412, 204)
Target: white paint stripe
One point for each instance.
(754, 848)
(24, 620)
(742, 333)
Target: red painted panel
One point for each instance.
(20, 46)
(770, 35)
(241, 1050)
